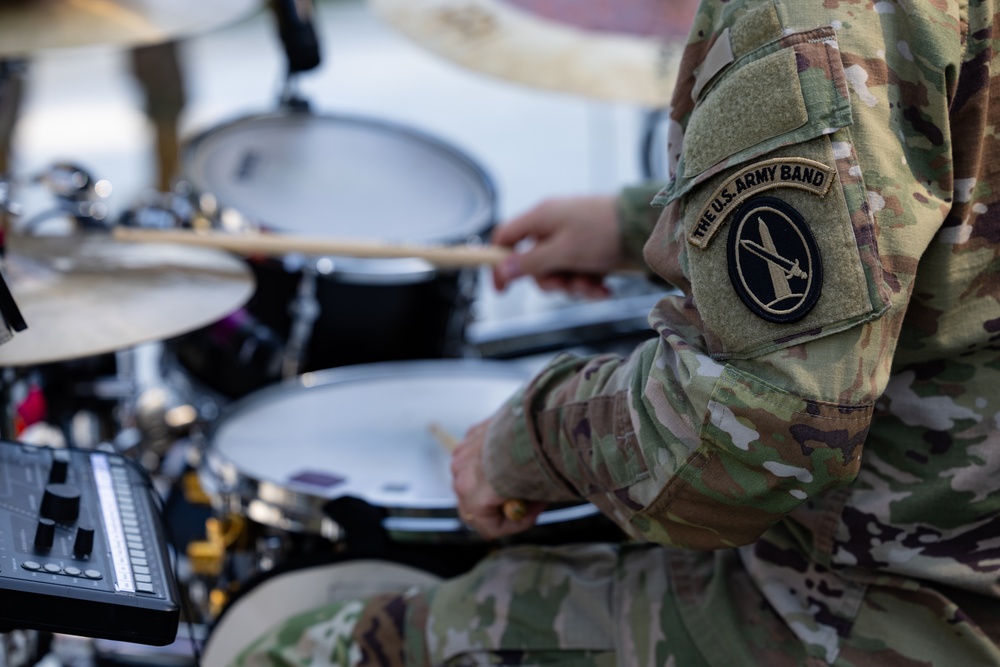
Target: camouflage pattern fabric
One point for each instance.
(525, 605)
(808, 454)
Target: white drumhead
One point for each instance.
(342, 177)
(363, 431)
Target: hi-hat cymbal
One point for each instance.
(29, 26)
(86, 295)
(627, 50)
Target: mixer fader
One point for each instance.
(82, 549)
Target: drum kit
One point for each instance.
(298, 384)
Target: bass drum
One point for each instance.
(348, 455)
(348, 178)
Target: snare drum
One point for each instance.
(347, 178)
(356, 440)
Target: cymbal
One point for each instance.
(29, 26)
(625, 50)
(86, 294)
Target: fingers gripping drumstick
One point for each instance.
(513, 509)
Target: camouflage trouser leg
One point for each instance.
(573, 606)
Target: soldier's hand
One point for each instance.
(576, 244)
(479, 505)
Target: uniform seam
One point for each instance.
(730, 382)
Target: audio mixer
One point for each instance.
(82, 548)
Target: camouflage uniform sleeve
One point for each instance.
(811, 176)
(636, 219)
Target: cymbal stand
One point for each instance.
(8, 376)
(10, 315)
(291, 98)
(12, 72)
(304, 310)
(8, 409)
(9, 312)
(296, 29)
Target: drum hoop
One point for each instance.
(479, 224)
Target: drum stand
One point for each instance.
(304, 310)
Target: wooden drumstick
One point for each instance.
(285, 244)
(513, 509)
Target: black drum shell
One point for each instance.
(356, 324)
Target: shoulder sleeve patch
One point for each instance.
(774, 263)
(791, 172)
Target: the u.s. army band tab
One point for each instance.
(807, 454)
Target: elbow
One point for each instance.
(762, 453)
(714, 507)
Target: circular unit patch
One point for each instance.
(774, 263)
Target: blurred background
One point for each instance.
(422, 122)
(83, 105)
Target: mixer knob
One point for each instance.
(84, 542)
(45, 533)
(60, 466)
(61, 503)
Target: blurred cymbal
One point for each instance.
(29, 26)
(626, 50)
(87, 294)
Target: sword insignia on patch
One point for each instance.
(774, 262)
(792, 172)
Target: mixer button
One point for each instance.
(144, 588)
(143, 578)
(140, 569)
(53, 568)
(31, 565)
(93, 574)
(73, 571)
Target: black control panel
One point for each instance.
(82, 549)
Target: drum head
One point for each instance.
(342, 177)
(359, 431)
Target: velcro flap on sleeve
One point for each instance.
(787, 92)
(762, 102)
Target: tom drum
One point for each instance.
(341, 177)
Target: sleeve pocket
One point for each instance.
(772, 201)
(785, 93)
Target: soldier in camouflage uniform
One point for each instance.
(808, 454)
